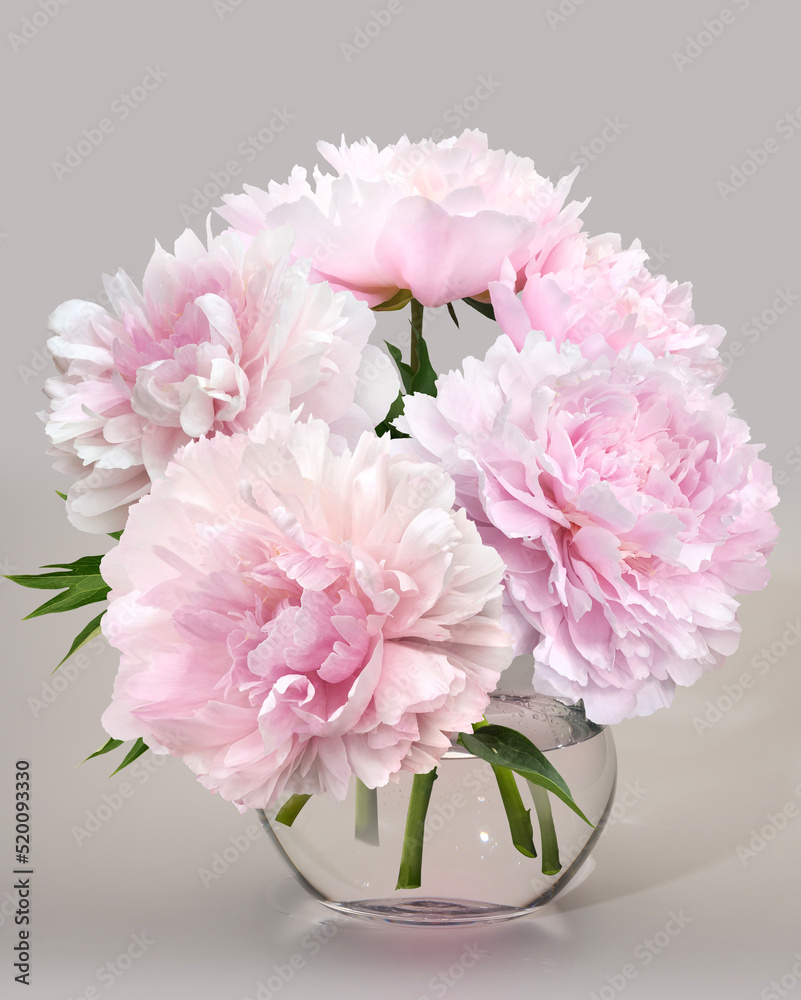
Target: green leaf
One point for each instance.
(425, 378)
(62, 495)
(485, 308)
(422, 380)
(507, 748)
(385, 427)
(398, 301)
(406, 373)
(88, 632)
(106, 748)
(419, 376)
(116, 535)
(87, 566)
(136, 750)
(80, 582)
(288, 812)
(453, 315)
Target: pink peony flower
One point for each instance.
(624, 498)
(437, 219)
(218, 337)
(599, 296)
(289, 618)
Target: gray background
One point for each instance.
(699, 791)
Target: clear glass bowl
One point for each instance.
(471, 871)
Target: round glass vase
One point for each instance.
(471, 871)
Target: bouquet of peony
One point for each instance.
(326, 553)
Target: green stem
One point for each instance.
(288, 812)
(519, 817)
(417, 333)
(550, 848)
(366, 814)
(411, 864)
